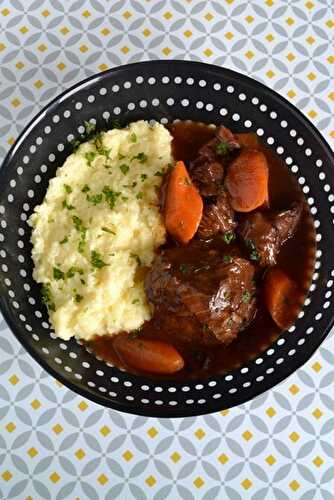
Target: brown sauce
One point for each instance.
(296, 258)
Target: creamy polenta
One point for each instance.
(98, 228)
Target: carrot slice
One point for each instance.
(281, 296)
(147, 355)
(183, 205)
(247, 181)
(247, 140)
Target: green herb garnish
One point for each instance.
(78, 224)
(133, 137)
(222, 148)
(89, 127)
(115, 124)
(141, 157)
(229, 237)
(206, 328)
(75, 143)
(106, 230)
(96, 260)
(85, 189)
(78, 298)
(65, 240)
(47, 297)
(139, 195)
(68, 206)
(58, 273)
(227, 259)
(67, 188)
(159, 174)
(110, 196)
(95, 199)
(246, 297)
(135, 301)
(124, 168)
(254, 254)
(90, 156)
(73, 270)
(143, 177)
(121, 157)
(184, 268)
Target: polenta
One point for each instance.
(97, 228)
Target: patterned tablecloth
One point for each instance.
(53, 443)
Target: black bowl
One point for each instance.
(164, 91)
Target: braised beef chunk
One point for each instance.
(207, 175)
(207, 170)
(213, 291)
(265, 232)
(217, 218)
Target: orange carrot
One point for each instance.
(247, 181)
(146, 355)
(183, 205)
(281, 297)
(247, 140)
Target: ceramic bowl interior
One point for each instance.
(163, 91)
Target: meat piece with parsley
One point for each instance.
(218, 217)
(213, 291)
(263, 233)
(207, 170)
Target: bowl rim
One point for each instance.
(255, 390)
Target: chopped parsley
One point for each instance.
(110, 196)
(124, 168)
(206, 328)
(133, 137)
(99, 146)
(85, 189)
(89, 127)
(58, 274)
(222, 148)
(95, 199)
(106, 230)
(254, 254)
(78, 224)
(227, 259)
(246, 297)
(78, 298)
(229, 237)
(139, 195)
(143, 177)
(141, 157)
(136, 301)
(96, 260)
(184, 268)
(67, 205)
(67, 188)
(65, 240)
(73, 270)
(159, 174)
(75, 143)
(115, 123)
(47, 297)
(90, 157)
(136, 257)
(121, 157)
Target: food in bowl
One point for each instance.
(225, 260)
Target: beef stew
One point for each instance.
(225, 295)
